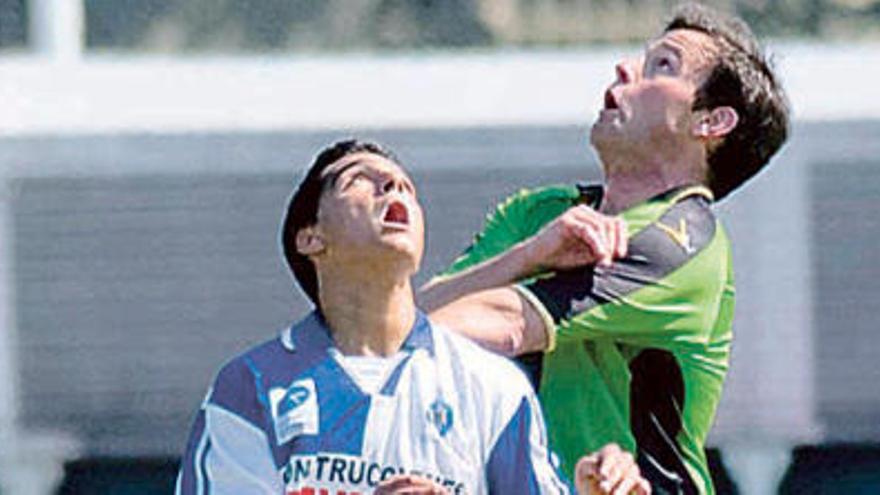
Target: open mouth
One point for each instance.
(396, 214)
(610, 101)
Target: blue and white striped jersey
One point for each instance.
(286, 418)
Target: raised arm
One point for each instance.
(672, 286)
(501, 320)
(481, 301)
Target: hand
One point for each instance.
(610, 471)
(409, 485)
(580, 236)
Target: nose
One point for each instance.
(393, 183)
(626, 72)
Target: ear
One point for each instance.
(715, 124)
(309, 241)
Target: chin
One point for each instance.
(595, 136)
(604, 141)
(399, 251)
(403, 265)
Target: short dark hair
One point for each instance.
(302, 210)
(742, 79)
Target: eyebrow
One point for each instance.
(664, 43)
(333, 176)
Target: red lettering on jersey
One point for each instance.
(321, 491)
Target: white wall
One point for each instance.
(115, 93)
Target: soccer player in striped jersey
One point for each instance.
(634, 322)
(365, 394)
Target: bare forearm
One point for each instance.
(482, 303)
(502, 270)
(579, 237)
(498, 319)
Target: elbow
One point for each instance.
(495, 319)
(510, 325)
(499, 335)
(513, 342)
(513, 347)
(505, 343)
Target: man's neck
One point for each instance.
(632, 184)
(367, 314)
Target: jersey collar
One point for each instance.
(311, 334)
(592, 194)
(677, 194)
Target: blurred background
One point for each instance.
(148, 147)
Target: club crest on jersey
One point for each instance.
(679, 236)
(440, 415)
(294, 410)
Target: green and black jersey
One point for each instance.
(639, 350)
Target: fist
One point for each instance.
(610, 471)
(580, 236)
(409, 485)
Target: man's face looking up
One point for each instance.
(369, 213)
(648, 108)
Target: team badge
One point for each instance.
(680, 236)
(440, 415)
(294, 410)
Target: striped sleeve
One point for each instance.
(228, 451)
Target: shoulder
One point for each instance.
(525, 211)
(672, 229)
(236, 387)
(239, 373)
(527, 198)
(693, 203)
(259, 358)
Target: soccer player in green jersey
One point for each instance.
(627, 288)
